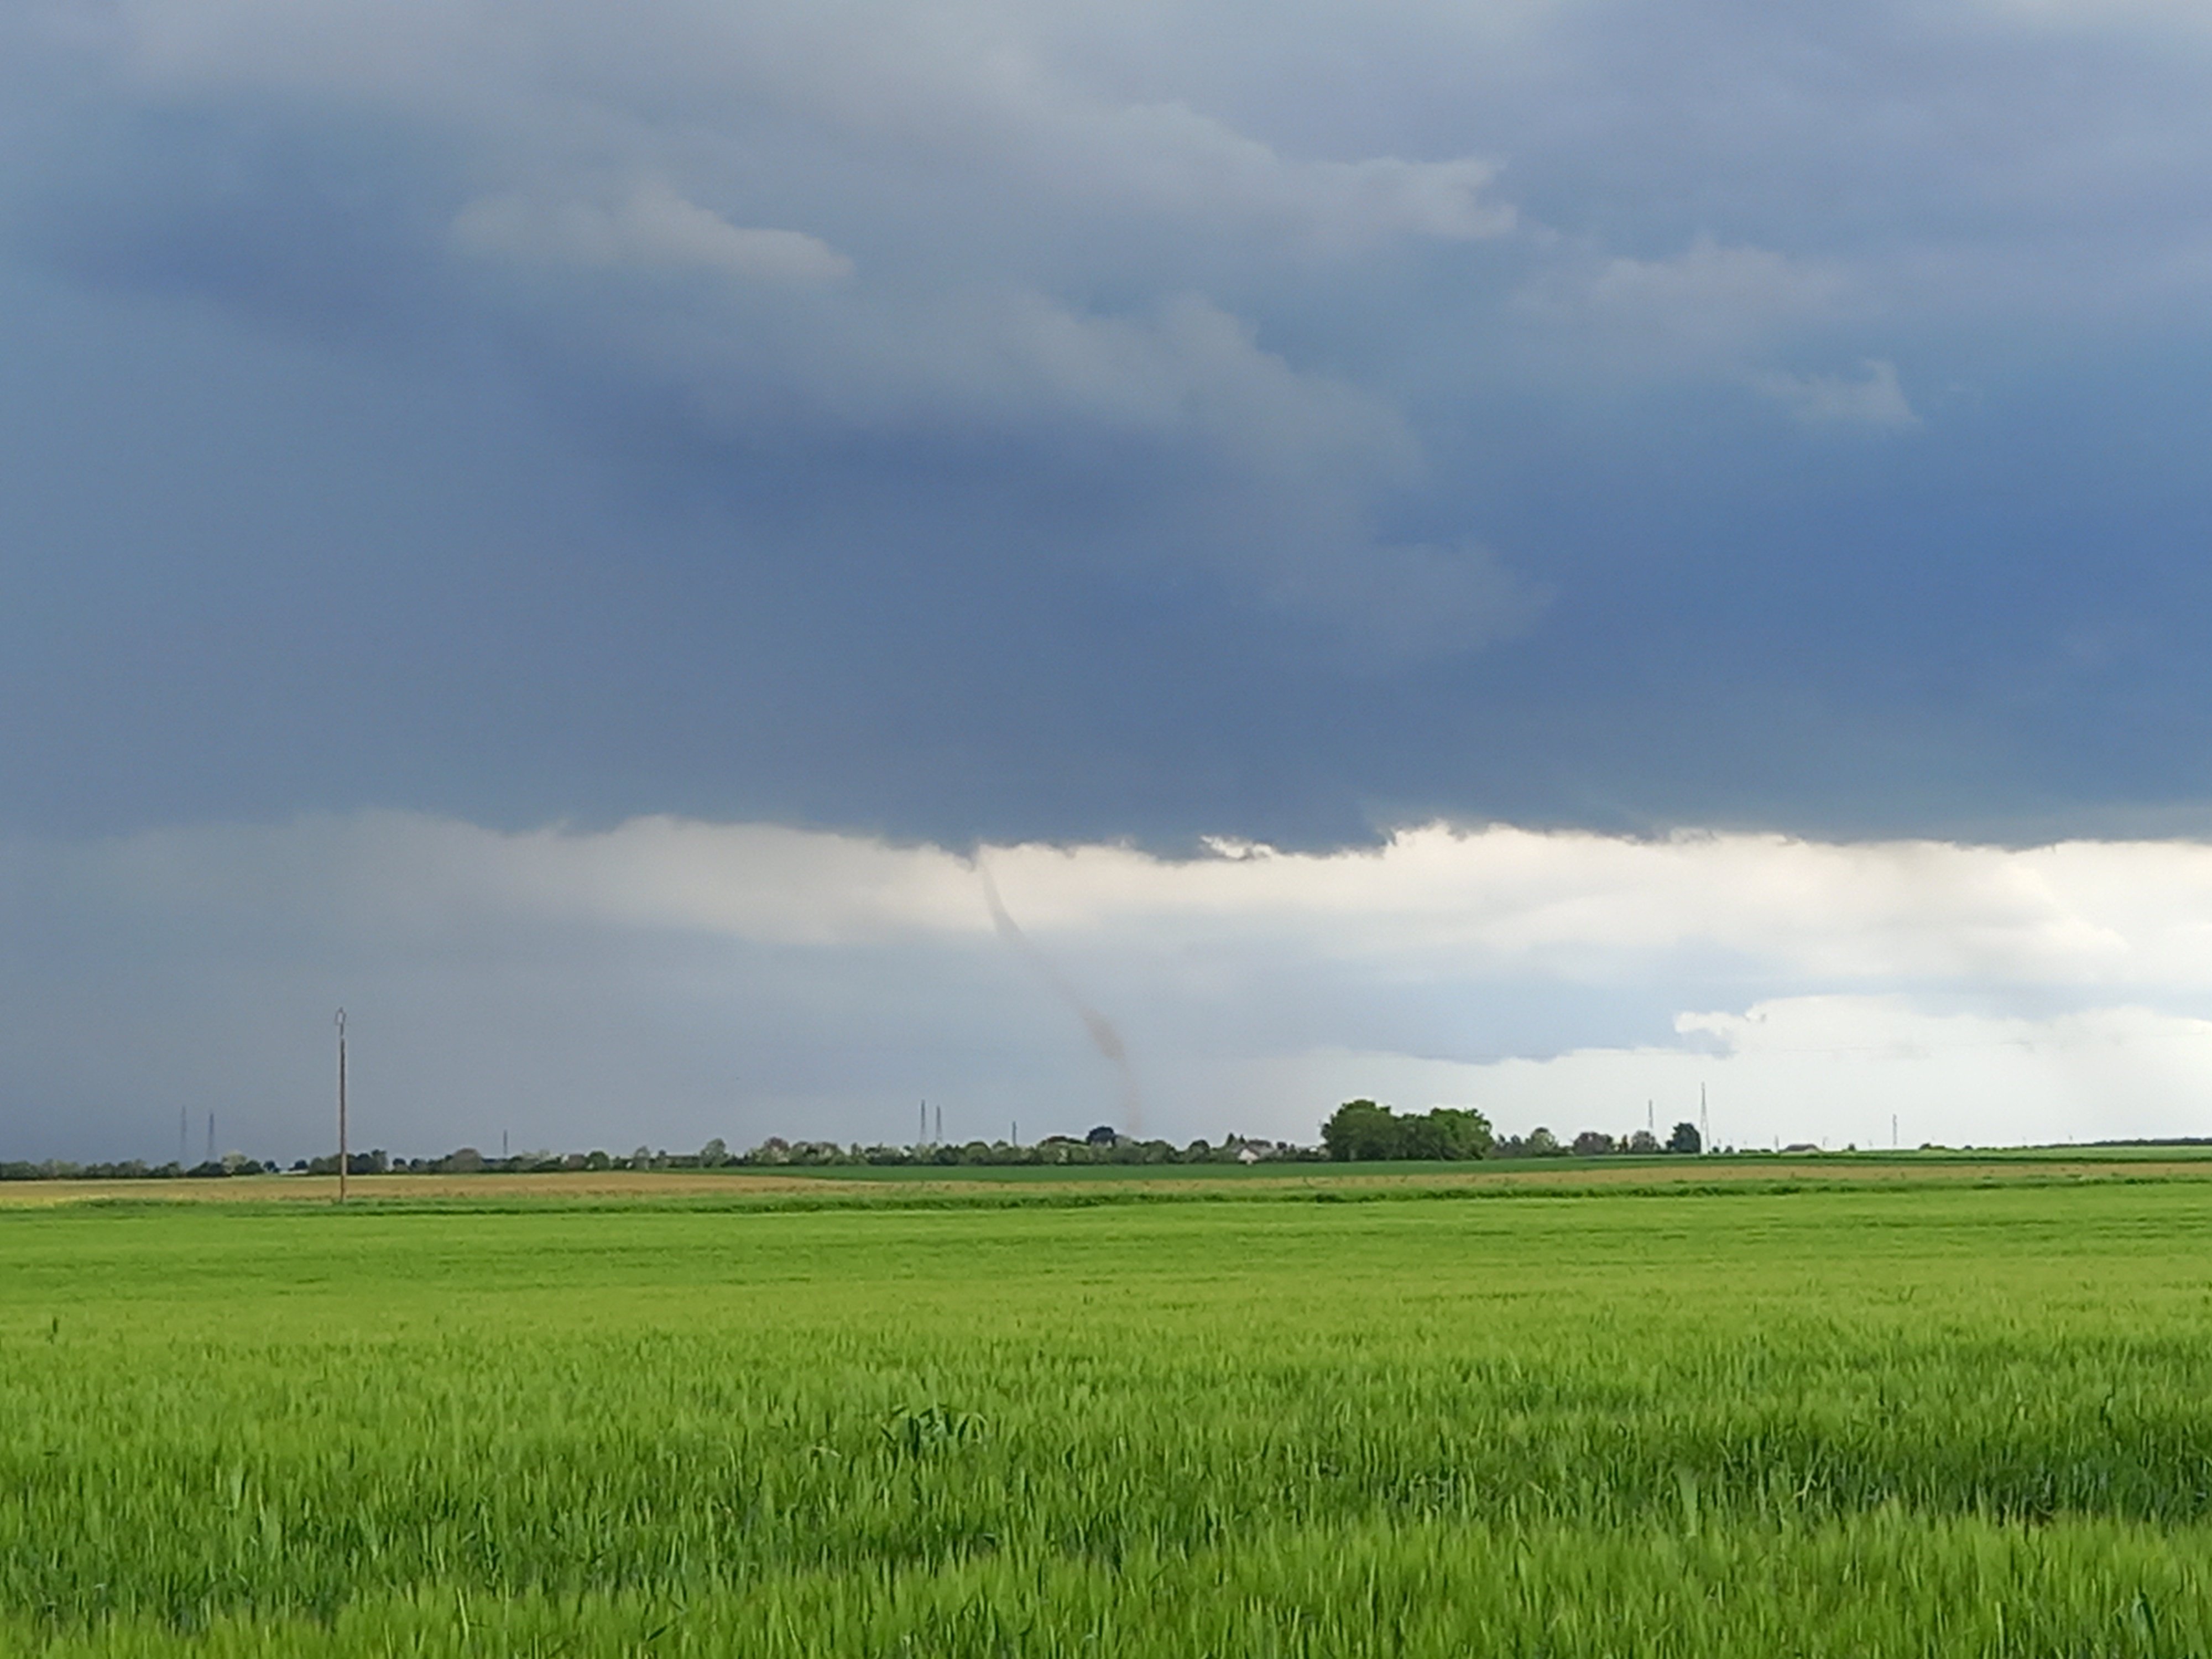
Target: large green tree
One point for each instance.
(1361, 1132)
(1461, 1131)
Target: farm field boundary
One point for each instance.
(864, 1188)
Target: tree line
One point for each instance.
(1359, 1131)
(1363, 1131)
(1102, 1145)
(133, 1169)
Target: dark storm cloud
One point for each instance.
(1076, 422)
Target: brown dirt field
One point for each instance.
(324, 1189)
(602, 1185)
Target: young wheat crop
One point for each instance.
(1923, 1421)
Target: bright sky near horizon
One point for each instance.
(565, 527)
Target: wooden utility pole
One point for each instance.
(342, 1108)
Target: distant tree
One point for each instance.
(1643, 1141)
(1686, 1139)
(1593, 1143)
(714, 1154)
(1463, 1132)
(1103, 1135)
(1420, 1136)
(1543, 1143)
(1361, 1132)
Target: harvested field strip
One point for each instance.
(1093, 1183)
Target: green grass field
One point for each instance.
(1934, 1419)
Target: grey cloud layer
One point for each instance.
(668, 980)
(1083, 420)
(629, 167)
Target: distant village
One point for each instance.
(1102, 1145)
(1360, 1131)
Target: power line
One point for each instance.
(342, 1106)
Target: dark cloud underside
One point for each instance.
(1069, 425)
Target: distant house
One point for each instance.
(1246, 1155)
